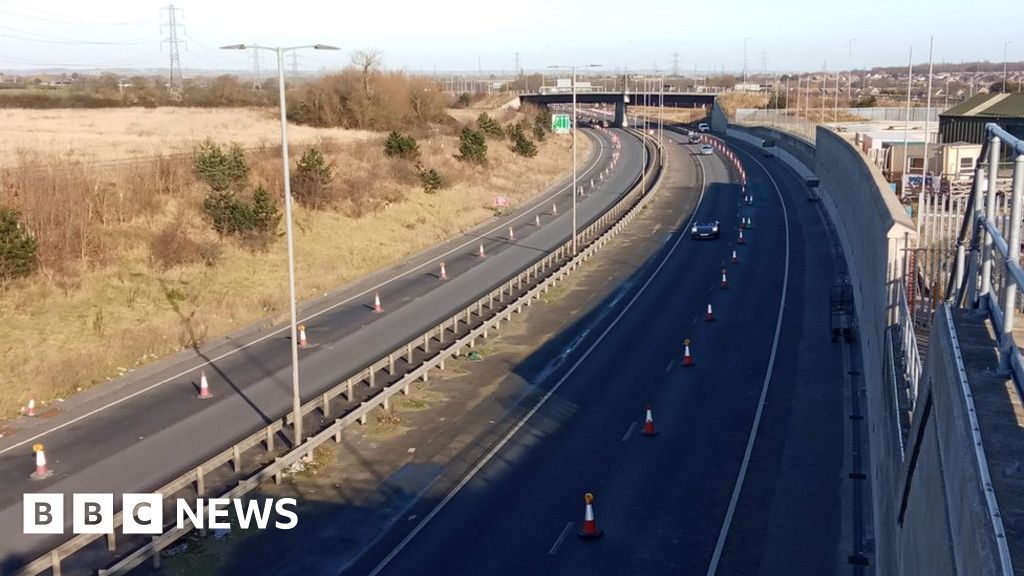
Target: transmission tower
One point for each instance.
(675, 63)
(171, 26)
(517, 69)
(295, 62)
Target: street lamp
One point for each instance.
(574, 175)
(1006, 87)
(745, 39)
(296, 400)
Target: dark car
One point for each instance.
(705, 230)
(767, 146)
(694, 138)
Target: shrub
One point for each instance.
(430, 179)
(543, 120)
(464, 100)
(472, 146)
(524, 146)
(18, 247)
(217, 168)
(540, 128)
(231, 216)
(489, 126)
(400, 145)
(172, 247)
(311, 184)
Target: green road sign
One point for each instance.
(561, 123)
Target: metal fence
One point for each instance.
(986, 273)
(255, 459)
(886, 114)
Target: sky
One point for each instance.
(467, 35)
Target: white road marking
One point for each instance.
(668, 367)
(561, 538)
(629, 431)
(720, 545)
(543, 399)
(283, 329)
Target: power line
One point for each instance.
(174, 81)
(675, 63)
(44, 39)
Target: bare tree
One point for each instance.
(366, 60)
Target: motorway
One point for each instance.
(746, 475)
(137, 436)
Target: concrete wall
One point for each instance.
(719, 123)
(944, 528)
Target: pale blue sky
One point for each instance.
(457, 34)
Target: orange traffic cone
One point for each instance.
(590, 530)
(743, 222)
(649, 424)
(302, 335)
(30, 410)
(725, 281)
(711, 315)
(735, 259)
(41, 470)
(687, 357)
(481, 252)
(204, 387)
(377, 308)
(741, 240)
(444, 273)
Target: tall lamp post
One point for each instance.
(1006, 87)
(745, 39)
(279, 51)
(574, 174)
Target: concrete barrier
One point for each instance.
(942, 523)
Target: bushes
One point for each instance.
(231, 216)
(400, 145)
(520, 143)
(311, 184)
(219, 169)
(430, 179)
(489, 126)
(17, 247)
(172, 247)
(472, 146)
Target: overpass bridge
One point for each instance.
(621, 100)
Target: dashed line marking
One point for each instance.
(629, 431)
(561, 538)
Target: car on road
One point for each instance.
(703, 127)
(705, 230)
(706, 150)
(694, 138)
(767, 146)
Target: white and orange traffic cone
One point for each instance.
(725, 281)
(649, 424)
(444, 273)
(41, 470)
(743, 222)
(511, 234)
(302, 335)
(377, 308)
(30, 410)
(204, 387)
(750, 222)
(711, 315)
(735, 258)
(590, 530)
(536, 220)
(481, 253)
(687, 357)
(741, 239)
(554, 209)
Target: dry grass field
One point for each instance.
(731, 101)
(670, 114)
(65, 330)
(106, 134)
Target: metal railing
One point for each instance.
(407, 364)
(990, 275)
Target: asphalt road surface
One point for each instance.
(136, 437)
(745, 476)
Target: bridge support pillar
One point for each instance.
(620, 114)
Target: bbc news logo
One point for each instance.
(144, 513)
